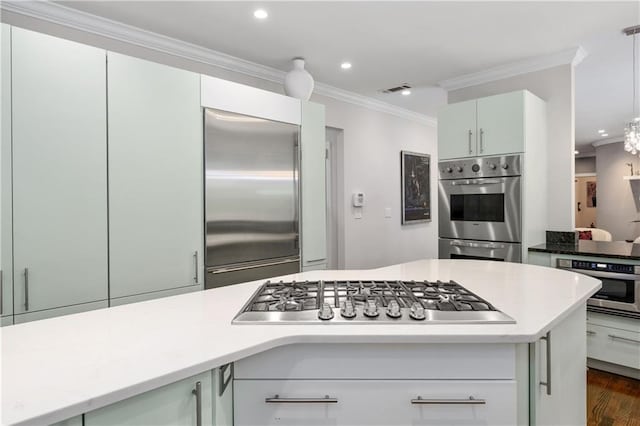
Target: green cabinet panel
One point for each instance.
(155, 177)
(501, 124)
(59, 172)
(170, 405)
(6, 242)
(457, 130)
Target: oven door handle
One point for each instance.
(600, 274)
(477, 182)
(488, 246)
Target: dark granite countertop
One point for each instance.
(612, 249)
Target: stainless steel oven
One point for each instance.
(480, 250)
(620, 292)
(480, 199)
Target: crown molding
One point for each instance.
(571, 56)
(607, 141)
(89, 23)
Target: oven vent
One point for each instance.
(396, 89)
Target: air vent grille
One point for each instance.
(396, 89)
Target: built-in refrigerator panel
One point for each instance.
(251, 187)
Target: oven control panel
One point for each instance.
(477, 167)
(587, 265)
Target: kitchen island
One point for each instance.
(63, 367)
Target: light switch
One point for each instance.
(387, 212)
(358, 213)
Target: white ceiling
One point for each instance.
(420, 43)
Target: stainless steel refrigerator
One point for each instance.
(251, 191)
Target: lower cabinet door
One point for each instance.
(614, 345)
(174, 404)
(374, 402)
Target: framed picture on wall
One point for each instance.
(416, 187)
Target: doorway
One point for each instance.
(586, 201)
(335, 204)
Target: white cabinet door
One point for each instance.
(174, 404)
(374, 402)
(457, 130)
(614, 345)
(6, 242)
(155, 177)
(313, 181)
(501, 124)
(565, 370)
(59, 172)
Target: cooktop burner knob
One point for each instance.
(459, 169)
(448, 170)
(492, 166)
(417, 311)
(325, 312)
(371, 309)
(348, 311)
(505, 166)
(393, 310)
(475, 168)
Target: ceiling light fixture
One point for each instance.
(604, 135)
(406, 92)
(345, 65)
(260, 14)
(576, 152)
(632, 129)
(601, 131)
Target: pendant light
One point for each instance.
(632, 129)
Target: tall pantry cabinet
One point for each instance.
(6, 257)
(59, 144)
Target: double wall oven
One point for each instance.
(480, 208)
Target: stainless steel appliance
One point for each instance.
(620, 292)
(480, 208)
(251, 205)
(367, 302)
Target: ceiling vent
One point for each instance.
(396, 89)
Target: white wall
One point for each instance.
(618, 199)
(371, 158)
(556, 87)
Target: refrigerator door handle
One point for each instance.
(258, 265)
(296, 190)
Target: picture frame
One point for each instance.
(416, 187)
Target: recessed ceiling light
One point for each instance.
(345, 65)
(260, 14)
(604, 135)
(406, 92)
(576, 152)
(601, 131)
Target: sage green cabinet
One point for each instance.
(170, 405)
(313, 181)
(155, 177)
(493, 125)
(59, 172)
(6, 244)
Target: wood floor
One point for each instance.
(612, 400)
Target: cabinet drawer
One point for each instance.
(379, 361)
(374, 402)
(613, 345)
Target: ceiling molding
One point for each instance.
(607, 141)
(571, 56)
(86, 22)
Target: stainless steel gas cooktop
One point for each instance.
(367, 302)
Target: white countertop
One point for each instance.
(61, 367)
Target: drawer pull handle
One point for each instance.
(471, 400)
(277, 400)
(624, 339)
(591, 333)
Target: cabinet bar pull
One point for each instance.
(195, 261)
(547, 338)
(591, 333)
(470, 149)
(26, 289)
(277, 400)
(624, 339)
(198, 394)
(481, 141)
(471, 400)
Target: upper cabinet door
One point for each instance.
(313, 180)
(457, 130)
(6, 243)
(155, 177)
(59, 172)
(501, 124)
